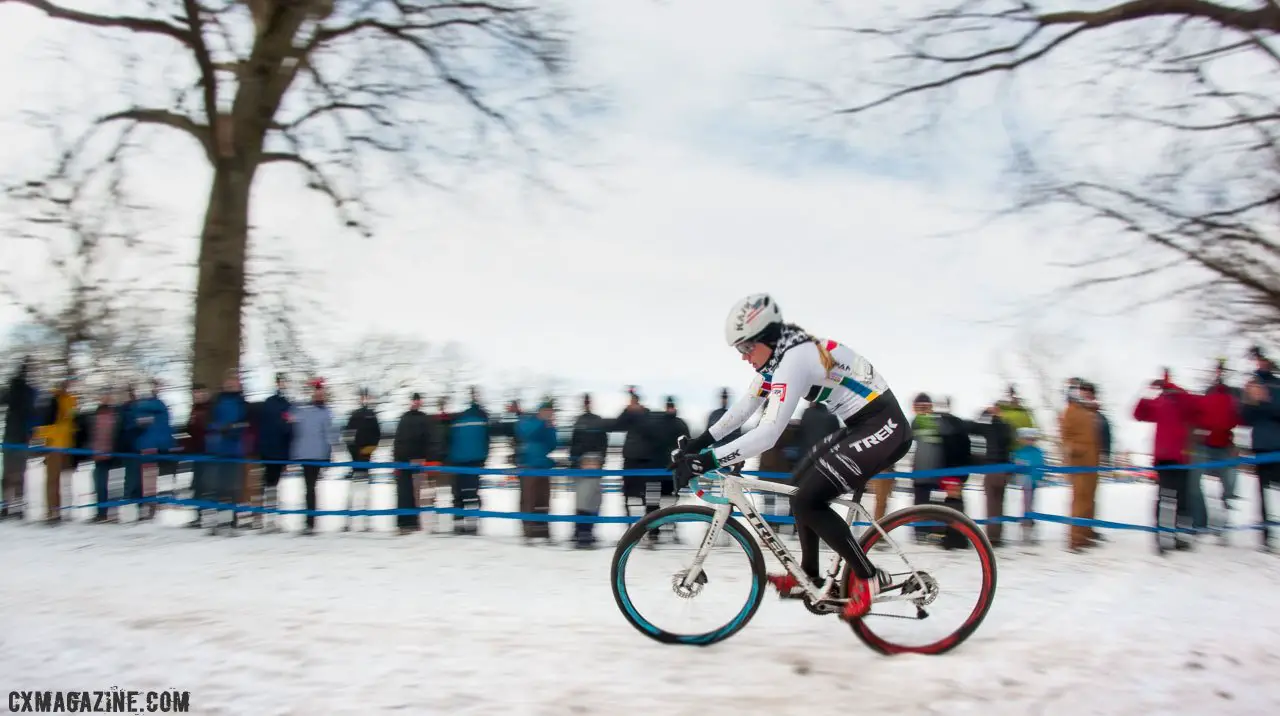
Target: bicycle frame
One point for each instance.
(735, 487)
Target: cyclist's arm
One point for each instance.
(741, 410)
(799, 369)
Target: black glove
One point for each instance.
(685, 446)
(691, 465)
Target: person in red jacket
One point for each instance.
(1175, 413)
(1219, 417)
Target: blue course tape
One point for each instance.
(1007, 468)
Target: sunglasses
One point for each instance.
(745, 347)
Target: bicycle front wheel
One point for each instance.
(647, 578)
(943, 581)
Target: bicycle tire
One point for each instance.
(733, 529)
(986, 555)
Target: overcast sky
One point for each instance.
(702, 194)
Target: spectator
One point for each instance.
(638, 451)
(1080, 433)
(589, 441)
(315, 436)
(469, 439)
(1015, 414)
(20, 418)
(999, 438)
(537, 434)
(587, 494)
(193, 442)
(668, 428)
(411, 444)
(928, 454)
(57, 430)
(718, 413)
(1174, 412)
(1261, 412)
(362, 433)
(227, 441)
(957, 451)
(1031, 457)
(1219, 417)
(273, 427)
(590, 435)
(429, 481)
(152, 435)
(104, 430)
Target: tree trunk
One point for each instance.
(220, 285)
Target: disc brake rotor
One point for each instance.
(687, 591)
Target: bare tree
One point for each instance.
(91, 285)
(1167, 147)
(391, 366)
(333, 90)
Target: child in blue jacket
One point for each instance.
(1031, 458)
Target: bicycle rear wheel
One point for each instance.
(932, 531)
(738, 585)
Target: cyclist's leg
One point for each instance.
(861, 452)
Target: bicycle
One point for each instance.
(914, 587)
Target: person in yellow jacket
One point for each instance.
(1017, 416)
(57, 430)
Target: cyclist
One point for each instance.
(791, 365)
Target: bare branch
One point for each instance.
(138, 25)
(165, 118)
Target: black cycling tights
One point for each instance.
(841, 463)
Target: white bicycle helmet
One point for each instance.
(751, 317)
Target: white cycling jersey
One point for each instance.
(852, 384)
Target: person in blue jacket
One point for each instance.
(151, 433)
(468, 447)
(538, 438)
(228, 421)
(275, 426)
(1031, 458)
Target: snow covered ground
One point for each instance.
(359, 623)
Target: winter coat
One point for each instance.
(413, 437)
(997, 435)
(590, 435)
(537, 441)
(274, 433)
(149, 424)
(640, 443)
(784, 454)
(929, 454)
(1175, 413)
(438, 437)
(469, 436)
(192, 443)
(1219, 416)
(315, 434)
(1264, 418)
(58, 423)
(667, 429)
(20, 411)
(1104, 435)
(956, 445)
(363, 433)
(228, 421)
(1031, 458)
(1016, 416)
